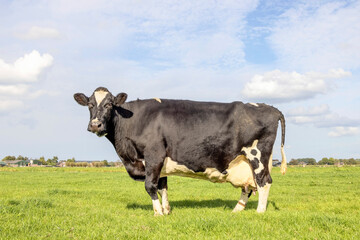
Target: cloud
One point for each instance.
(322, 117)
(37, 32)
(278, 86)
(6, 90)
(25, 69)
(16, 80)
(318, 36)
(344, 131)
(6, 105)
(311, 111)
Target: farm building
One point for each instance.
(2, 164)
(276, 163)
(18, 163)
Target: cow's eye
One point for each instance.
(91, 105)
(108, 105)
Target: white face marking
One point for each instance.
(99, 96)
(95, 120)
(157, 207)
(158, 99)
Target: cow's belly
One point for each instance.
(239, 172)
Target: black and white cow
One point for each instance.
(222, 142)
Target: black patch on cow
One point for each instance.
(253, 152)
(255, 163)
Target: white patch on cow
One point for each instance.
(242, 202)
(165, 201)
(157, 208)
(99, 96)
(252, 156)
(239, 172)
(95, 120)
(254, 104)
(263, 197)
(270, 162)
(283, 161)
(158, 100)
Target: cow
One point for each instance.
(221, 142)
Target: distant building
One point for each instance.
(18, 163)
(2, 164)
(276, 163)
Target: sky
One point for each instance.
(302, 57)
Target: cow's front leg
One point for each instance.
(152, 171)
(242, 202)
(162, 188)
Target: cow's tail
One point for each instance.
(283, 161)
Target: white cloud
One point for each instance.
(13, 89)
(6, 105)
(319, 36)
(277, 86)
(37, 32)
(344, 131)
(311, 111)
(322, 117)
(25, 69)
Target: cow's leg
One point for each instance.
(259, 154)
(242, 202)
(154, 160)
(162, 189)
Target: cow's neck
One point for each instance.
(116, 133)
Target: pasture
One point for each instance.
(104, 203)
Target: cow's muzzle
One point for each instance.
(95, 126)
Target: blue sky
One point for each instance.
(301, 56)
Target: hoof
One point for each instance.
(166, 211)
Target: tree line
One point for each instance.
(50, 161)
(69, 162)
(324, 161)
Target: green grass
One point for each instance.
(104, 203)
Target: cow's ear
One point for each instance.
(81, 99)
(120, 99)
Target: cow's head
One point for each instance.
(101, 104)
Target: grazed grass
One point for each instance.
(91, 203)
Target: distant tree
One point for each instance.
(98, 164)
(9, 158)
(327, 161)
(42, 160)
(52, 161)
(106, 163)
(71, 160)
(294, 162)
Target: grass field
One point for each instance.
(104, 203)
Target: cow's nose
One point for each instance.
(94, 126)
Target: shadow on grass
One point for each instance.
(214, 203)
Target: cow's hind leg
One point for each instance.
(242, 202)
(259, 154)
(162, 189)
